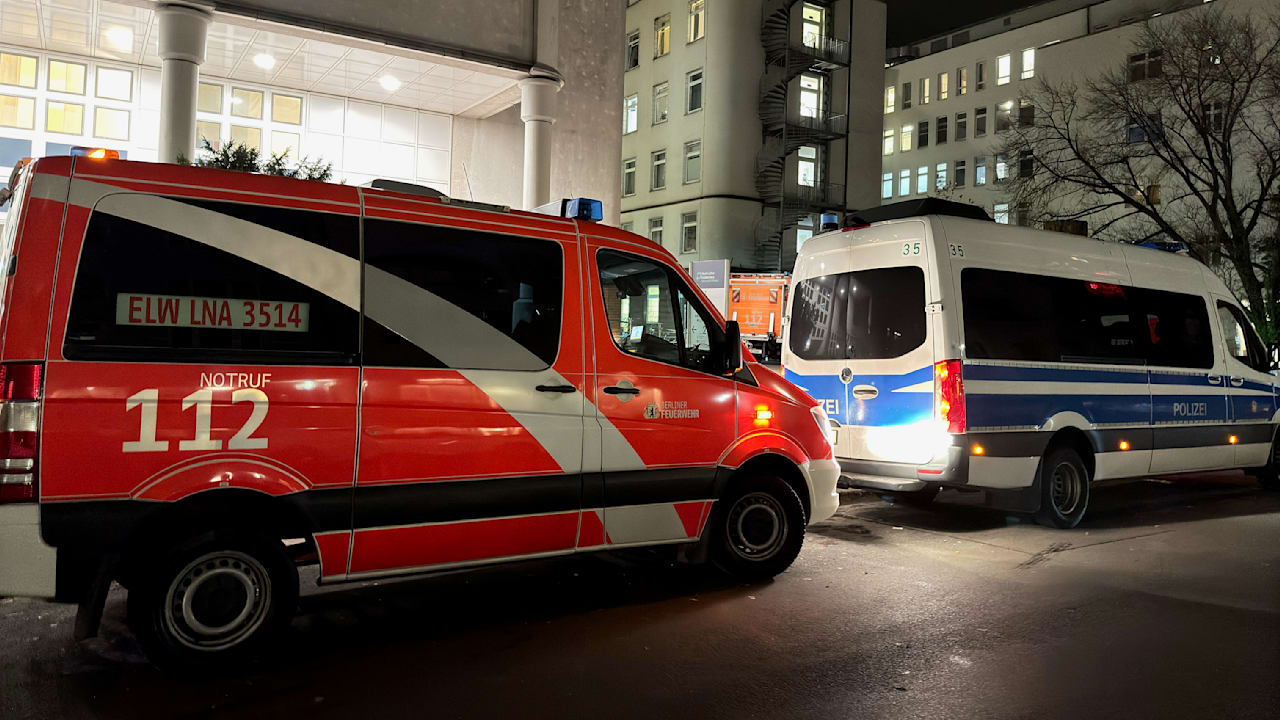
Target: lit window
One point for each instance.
(655, 232)
(115, 84)
(63, 117)
(886, 186)
(209, 98)
(661, 102)
(286, 109)
(940, 177)
(662, 36)
(1004, 116)
(693, 96)
(924, 91)
(246, 103)
(248, 136)
(812, 19)
(689, 232)
(284, 142)
(888, 142)
(1003, 68)
(211, 131)
(1002, 168)
(630, 114)
(922, 179)
(1002, 213)
(693, 161)
(653, 298)
(904, 183)
(962, 80)
(804, 233)
(631, 59)
(944, 83)
(906, 137)
(66, 77)
(629, 177)
(658, 161)
(110, 123)
(807, 166)
(959, 180)
(980, 170)
(810, 95)
(17, 70)
(1028, 63)
(696, 19)
(888, 99)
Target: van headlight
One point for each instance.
(824, 424)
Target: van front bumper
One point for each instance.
(28, 567)
(951, 469)
(822, 477)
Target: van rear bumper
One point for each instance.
(907, 477)
(28, 567)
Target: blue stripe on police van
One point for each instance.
(1192, 378)
(889, 407)
(1038, 374)
(1010, 410)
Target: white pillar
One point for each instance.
(537, 110)
(182, 43)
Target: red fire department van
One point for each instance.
(210, 378)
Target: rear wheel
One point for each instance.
(1064, 488)
(758, 528)
(1268, 476)
(215, 601)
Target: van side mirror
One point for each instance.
(732, 360)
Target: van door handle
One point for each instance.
(1214, 379)
(617, 390)
(865, 392)
(1237, 381)
(555, 388)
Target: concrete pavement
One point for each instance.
(1164, 603)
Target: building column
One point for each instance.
(537, 101)
(182, 44)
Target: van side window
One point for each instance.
(1035, 318)
(862, 315)
(437, 297)
(1243, 343)
(174, 279)
(1177, 327)
(654, 315)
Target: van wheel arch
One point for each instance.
(772, 464)
(1076, 439)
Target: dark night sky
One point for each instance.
(911, 20)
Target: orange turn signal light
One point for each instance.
(978, 450)
(1124, 444)
(1233, 439)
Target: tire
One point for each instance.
(758, 528)
(215, 602)
(918, 498)
(1268, 476)
(1064, 488)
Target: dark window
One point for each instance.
(1026, 164)
(1034, 318)
(1243, 342)
(1026, 113)
(1004, 116)
(632, 56)
(446, 297)
(1146, 65)
(979, 122)
(906, 95)
(960, 173)
(1177, 328)
(148, 293)
(942, 130)
(653, 315)
(962, 125)
(922, 134)
(862, 315)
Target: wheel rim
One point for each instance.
(1066, 488)
(756, 526)
(217, 600)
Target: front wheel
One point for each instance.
(1064, 488)
(215, 601)
(758, 528)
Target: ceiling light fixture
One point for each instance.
(119, 38)
(264, 61)
(390, 83)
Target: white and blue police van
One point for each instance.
(952, 351)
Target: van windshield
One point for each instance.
(860, 315)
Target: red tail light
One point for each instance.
(948, 395)
(19, 426)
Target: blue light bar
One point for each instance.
(830, 221)
(583, 209)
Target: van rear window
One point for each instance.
(861, 315)
(152, 286)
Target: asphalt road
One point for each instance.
(1165, 603)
